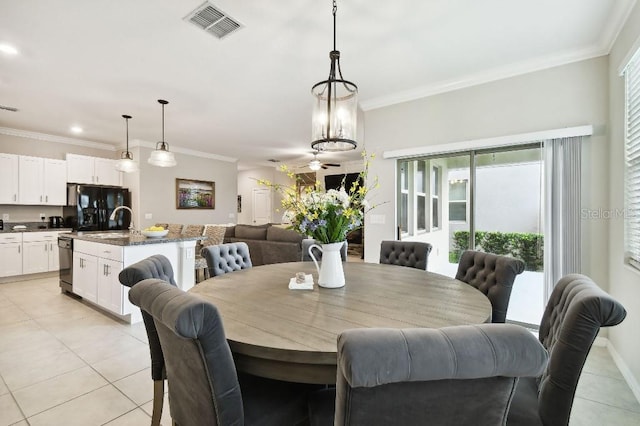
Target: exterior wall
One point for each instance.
(624, 282)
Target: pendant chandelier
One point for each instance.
(126, 163)
(161, 156)
(335, 107)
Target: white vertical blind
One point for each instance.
(562, 236)
(632, 163)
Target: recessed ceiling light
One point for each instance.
(76, 129)
(8, 49)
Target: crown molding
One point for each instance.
(45, 137)
(495, 74)
(58, 139)
(617, 18)
(177, 149)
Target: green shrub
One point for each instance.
(522, 245)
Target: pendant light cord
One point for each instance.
(333, 11)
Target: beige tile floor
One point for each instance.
(65, 363)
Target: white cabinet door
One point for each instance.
(10, 258)
(110, 291)
(55, 182)
(85, 274)
(92, 170)
(31, 180)
(8, 179)
(54, 256)
(106, 173)
(80, 169)
(35, 257)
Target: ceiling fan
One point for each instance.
(316, 164)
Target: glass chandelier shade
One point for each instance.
(126, 163)
(315, 164)
(335, 107)
(161, 156)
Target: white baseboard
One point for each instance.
(622, 366)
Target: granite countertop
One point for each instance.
(123, 238)
(8, 228)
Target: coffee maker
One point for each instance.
(56, 222)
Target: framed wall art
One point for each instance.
(195, 194)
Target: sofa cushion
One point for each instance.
(251, 232)
(230, 232)
(275, 233)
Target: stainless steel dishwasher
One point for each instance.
(65, 246)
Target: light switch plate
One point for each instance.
(148, 216)
(5, 216)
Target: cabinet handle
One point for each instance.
(46, 198)
(45, 247)
(41, 198)
(15, 197)
(18, 249)
(108, 273)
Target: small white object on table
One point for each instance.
(307, 284)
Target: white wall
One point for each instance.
(624, 283)
(157, 190)
(248, 181)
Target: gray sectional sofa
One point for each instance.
(268, 243)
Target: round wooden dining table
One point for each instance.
(292, 335)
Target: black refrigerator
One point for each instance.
(89, 207)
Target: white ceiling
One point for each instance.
(248, 96)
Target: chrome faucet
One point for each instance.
(132, 229)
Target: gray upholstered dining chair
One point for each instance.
(224, 258)
(571, 321)
(204, 387)
(156, 266)
(308, 242)
(413, 254)
(493, 275)
(462, 375)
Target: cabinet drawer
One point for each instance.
(108, 251)
(40, 236)
(85, 247)
(12, 237)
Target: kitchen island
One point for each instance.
(98, 258)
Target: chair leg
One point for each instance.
(158, 399)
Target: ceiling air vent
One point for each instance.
(212, 20)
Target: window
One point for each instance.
(403, 204)
(421, 195)
(458, 200)
(435, 197)
(632, 163)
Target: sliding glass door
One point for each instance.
(482, 200)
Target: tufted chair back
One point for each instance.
(228, 257)
(156, 266)
(205, 387)
(413, 254)
(493, 275)
(571, 321)
(462, 375)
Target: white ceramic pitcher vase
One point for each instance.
(330, 272)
